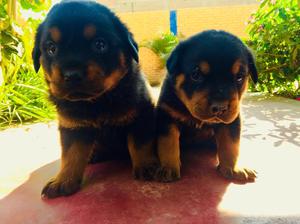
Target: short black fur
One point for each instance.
(207, 76)
(107, 102)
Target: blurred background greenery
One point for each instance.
(274, 36)
(23, 93)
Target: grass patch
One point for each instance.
(23, 96)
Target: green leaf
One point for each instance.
(282, 14)
(263, 3)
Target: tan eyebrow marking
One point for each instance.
(204, 67)
(236, 67)
(89, 31)
(55, 34)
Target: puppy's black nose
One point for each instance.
(73, 76)
(219, 108)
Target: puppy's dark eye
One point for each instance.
(197, 75)
(99, 45)
(51, 48)
(240, 78)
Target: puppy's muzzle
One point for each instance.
(219, 108)
(73, 77)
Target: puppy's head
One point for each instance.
(84, 50)
(209, 73)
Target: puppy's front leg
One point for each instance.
(228, 143)
(141, 146)
(77, 146)
(169, 153)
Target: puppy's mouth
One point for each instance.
(82, 96)
(214, 119)
(225, 118)
(79, 95)
(210, 119)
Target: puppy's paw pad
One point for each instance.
(167, 174)
(146, 172)
(239, 174)
(55, 188)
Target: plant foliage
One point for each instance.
(275, 37)
(23, 95)
(162, 45)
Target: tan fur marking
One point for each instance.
(121, 119)
(73, 124)
(234, 109)
(198, 98)
(228, 150)
(228, 153)
(245, 86)
(177, 115)
(93, 70)
(89, 31)
(181, 94)
(55, 34)
(55, 75)
(74, 161)
(122, 60)
(142, 156)
(113, 79)
(204, 67)
(168, 148)
(53, 78)
(236, 67)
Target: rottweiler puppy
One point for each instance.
(90, 61)
(207, 75)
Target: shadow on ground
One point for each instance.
(280, 116)
(110, 195)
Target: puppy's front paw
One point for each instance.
(146, 172)
(60, 187)
(168, 174)
(239, 174)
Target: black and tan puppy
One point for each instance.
(90, 61)
(207, 75)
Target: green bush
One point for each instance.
(274, 32)
(23, 93)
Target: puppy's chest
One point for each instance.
(204, 130)
(188, 133)
(99, 121)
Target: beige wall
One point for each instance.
(149, 24)
(229, 18)
(146, 25)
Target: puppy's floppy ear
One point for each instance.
(133, 47)
(173, 65)
(36, 52)
(252, 66)
(127, 37)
